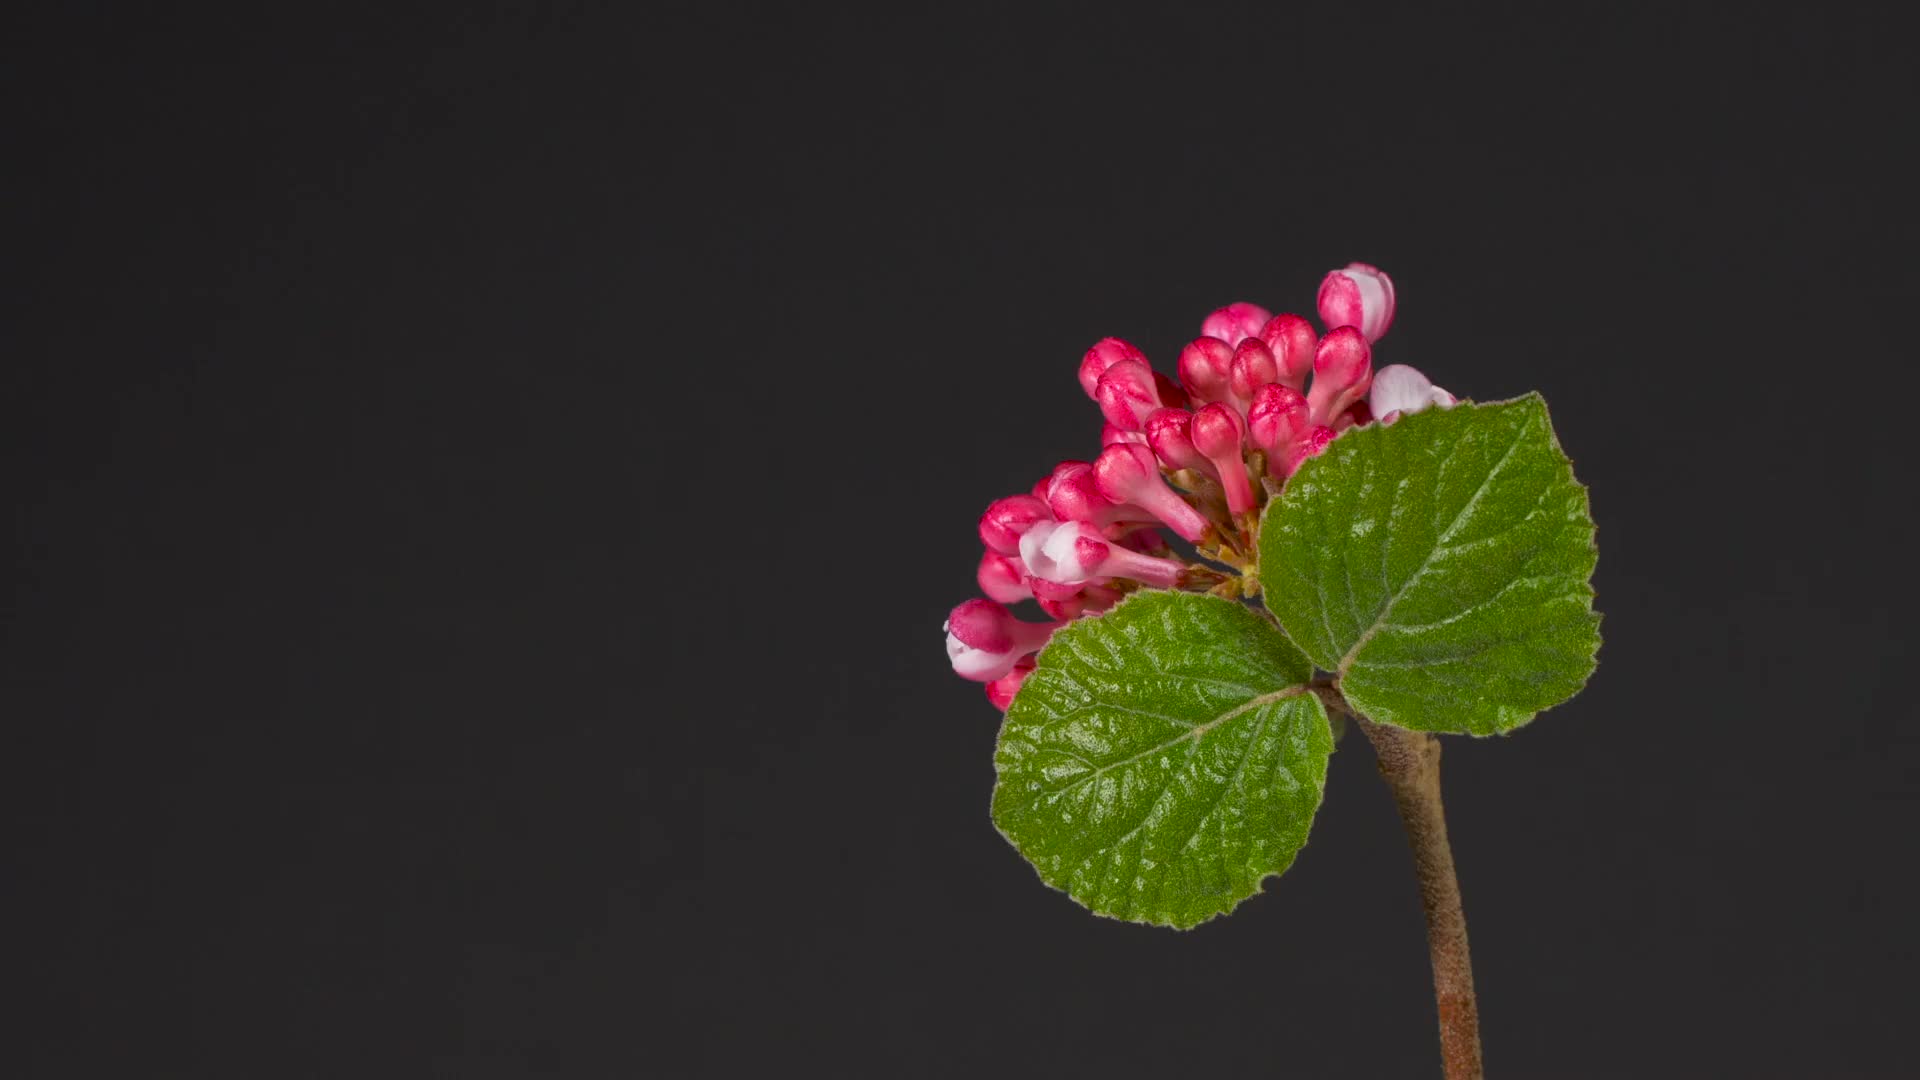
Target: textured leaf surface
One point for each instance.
(1163, 758)
(1440, 567)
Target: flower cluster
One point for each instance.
(1257, 394)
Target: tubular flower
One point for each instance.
(1170, 434)
(1257, 395)
(1342, 373)
(1219, 435)
(1129, 473)
(984, 639)
(1074, 552)
(1360, 296)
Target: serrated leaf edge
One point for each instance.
(1297, 690)
(1545, 417)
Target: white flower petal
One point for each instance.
(977, 664)
(1398, 388)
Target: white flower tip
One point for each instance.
(1051, 553)
(977, 664)
(1398, 388)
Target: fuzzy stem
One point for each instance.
(1410, 764)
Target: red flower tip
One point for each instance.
(1236, 322)
(1105, 353)
(1216, 432)
(1006, 520)
(1169, 436)
(1292, 340)
(1127, 393)
(1253, 368)
(1278, 418)
(1205, 368)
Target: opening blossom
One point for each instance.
(1257, 395)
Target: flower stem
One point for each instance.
(1410, 764)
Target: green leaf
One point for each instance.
(1440, 567)
(1162, 759)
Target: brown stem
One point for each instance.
(1410, 764)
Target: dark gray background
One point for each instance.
(488, 486)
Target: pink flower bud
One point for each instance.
(1110, 435)
(1315, 441)
(1055, 591)
(1399, 389)
(1003, 578)
(1236, 322)
(984, 640)
(1205, 367)
(1064, 475)
(1359, 296)
(1105, 353)
(1127, 472)
(1041, 489)
(1046, 484)
(1292, 341)
(1073, 496)
(1006, 519)
(1127, 394)
(1090, 600)
(1253, 368)
(1168, 435)
(1342, 373)
(1001, 690)
(1073, 552)
(1278, 418)
(1217, 434)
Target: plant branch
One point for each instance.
(1410, 764)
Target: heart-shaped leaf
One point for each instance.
(1163, 758)
(1440, 567)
